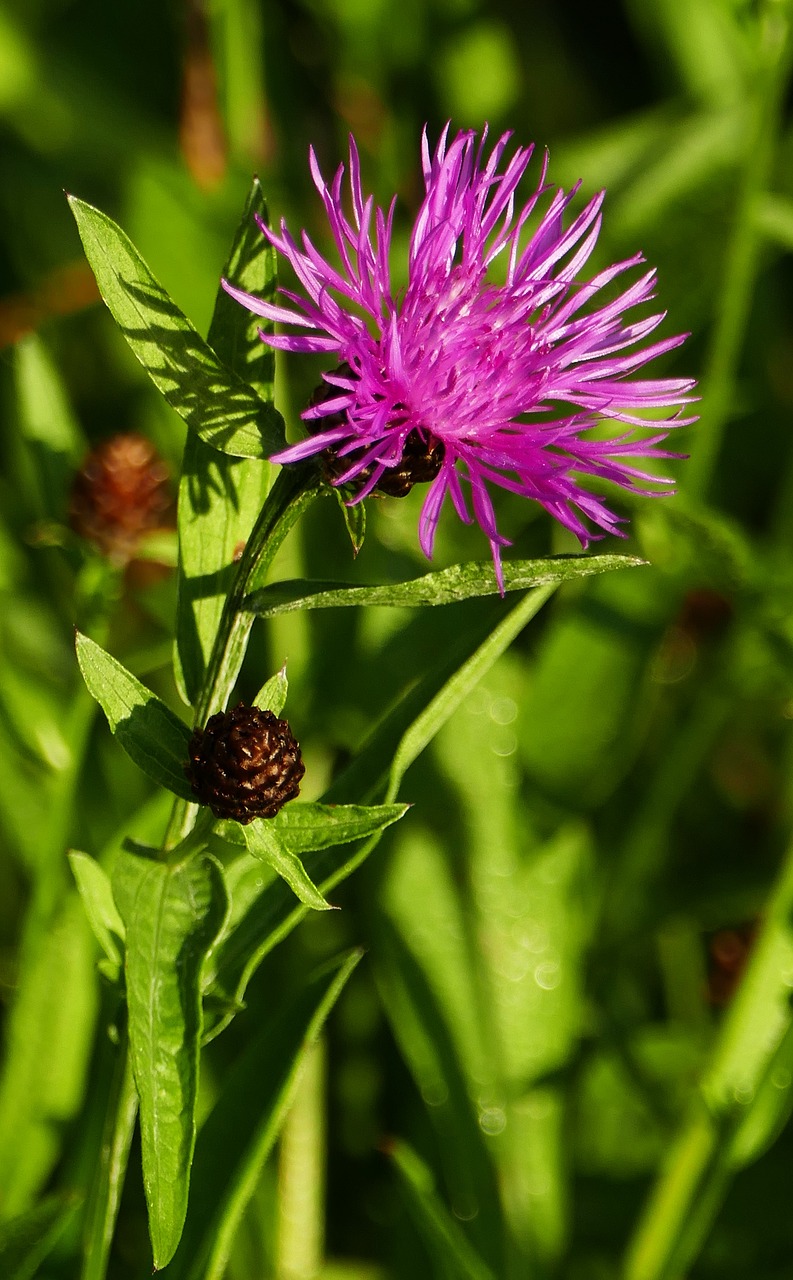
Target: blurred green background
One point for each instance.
(556, 932)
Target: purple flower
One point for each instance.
(470, 381)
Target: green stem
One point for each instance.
(733, 309)
(293, 492)
(109, 1181)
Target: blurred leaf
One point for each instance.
(27, 1240)
(710, 44)
(95, 890)
(149, 732)
(458, 582)
(604, 642)
(220, 497)
(172, 916)
(48, 1040)
(420, 1019)
(774, 217)
(272, 695)
(444, 1236)
(263, 842)
(54, 441)
(222, 409)
(240, 1131)
(749, 1071)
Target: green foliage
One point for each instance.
(220, 496)
(223, 410)
(149, 732)
(571, 1030)
(172, 915)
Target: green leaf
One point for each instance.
(214, 402)
(25, 1241)
(263, 841)
(417, 1008)
(95, 890)
(240, 1131)
(444, 1237)
(303, 828)
(149, 732)
(172, 915)
(444, 586)
(252, 265)
(272, 696)
(220, 497)
(54, 444)
(48, 1039)
(219, 500)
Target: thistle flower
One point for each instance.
(469, 381)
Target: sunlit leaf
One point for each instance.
(263, 842)
(444, 586)
(214, 402)
(220, 497)
(149, 732)
(172, 916)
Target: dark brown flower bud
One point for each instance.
(422, 454)
(120, 493)
(245, 764)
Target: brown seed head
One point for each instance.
(119, 494)
(244, 764)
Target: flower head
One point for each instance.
(469, 381)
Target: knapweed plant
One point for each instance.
(502, 363)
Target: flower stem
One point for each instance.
(293, 492)
(734, 303)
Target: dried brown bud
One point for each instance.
(245, 764)
(120, 493)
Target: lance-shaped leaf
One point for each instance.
(172, 916)
(443, 586)
(263, 841)
(214, 402)
(220, 496)
(241, 1130)
(149, 732)
(304, 828)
